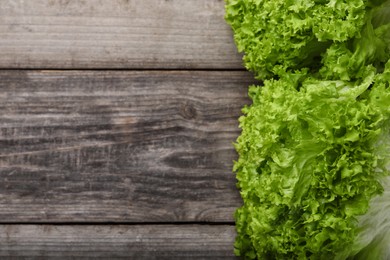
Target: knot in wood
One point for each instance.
(188, 111)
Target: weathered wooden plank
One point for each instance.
(122, 146)
(112, 242)
(116, 34)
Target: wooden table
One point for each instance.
(117, 119)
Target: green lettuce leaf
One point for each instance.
(280, 35)
(308, 165)
(313, 167)
(350, 59)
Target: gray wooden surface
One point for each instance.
(115, 34)
(117, 120)
(119, 146)
(117, 242)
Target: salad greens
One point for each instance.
(313, 167)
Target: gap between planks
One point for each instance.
(128, 69)
(188, 223)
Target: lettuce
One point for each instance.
(348, 60)
(308, 165)
(282, 34)
(313, 167)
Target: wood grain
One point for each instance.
(114, 242)
(125, 34)
(120, 146)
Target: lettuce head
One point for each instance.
(313, 167)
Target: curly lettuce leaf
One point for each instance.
(282, 35)
(373, 231)
(309, 165)
(349, 60)
(314, 151)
